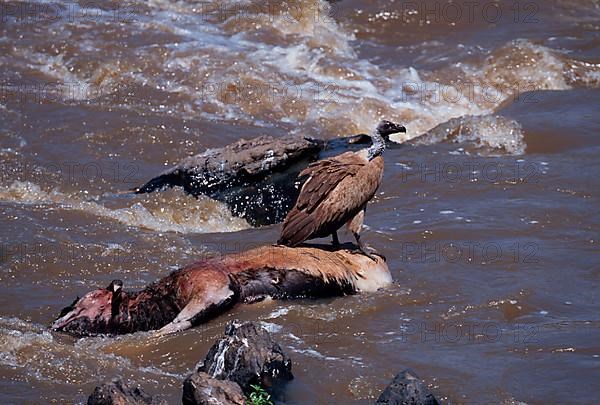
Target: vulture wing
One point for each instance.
(336, 190)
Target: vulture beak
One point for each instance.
(387, 128)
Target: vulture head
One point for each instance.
(387, 128)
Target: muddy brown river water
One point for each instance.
(492, 240)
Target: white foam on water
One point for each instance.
(33, 349)
(195, 216)
(271, 327)
(296, 64)
(278, 312)
(314, 353)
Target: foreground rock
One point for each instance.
(119, 393)
(196, 293)
(201, 389)
(407, 389)
(247, 355)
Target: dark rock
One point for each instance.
(247, 355)
(201, 389)
(407, 389)
(256, 178)
(119, 393)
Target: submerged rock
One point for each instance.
(407, 389)
(480, 134)
(119, 393)
(247, 355)
(200, 389)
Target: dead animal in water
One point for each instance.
(337, 192)
(196, 293)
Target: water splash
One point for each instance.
(172, 211)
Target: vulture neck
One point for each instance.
(377, 147)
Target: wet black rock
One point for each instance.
(119, 393)
(407, 389)
(201, 389)
(256, 177)
(247, 355)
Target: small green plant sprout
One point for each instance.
(259, 396)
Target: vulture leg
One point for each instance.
(355, 226)
(363, 248)
(334, 239)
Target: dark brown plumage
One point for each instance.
(337, 192)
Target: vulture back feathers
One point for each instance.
(337, 189)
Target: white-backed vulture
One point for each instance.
(337, 192)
